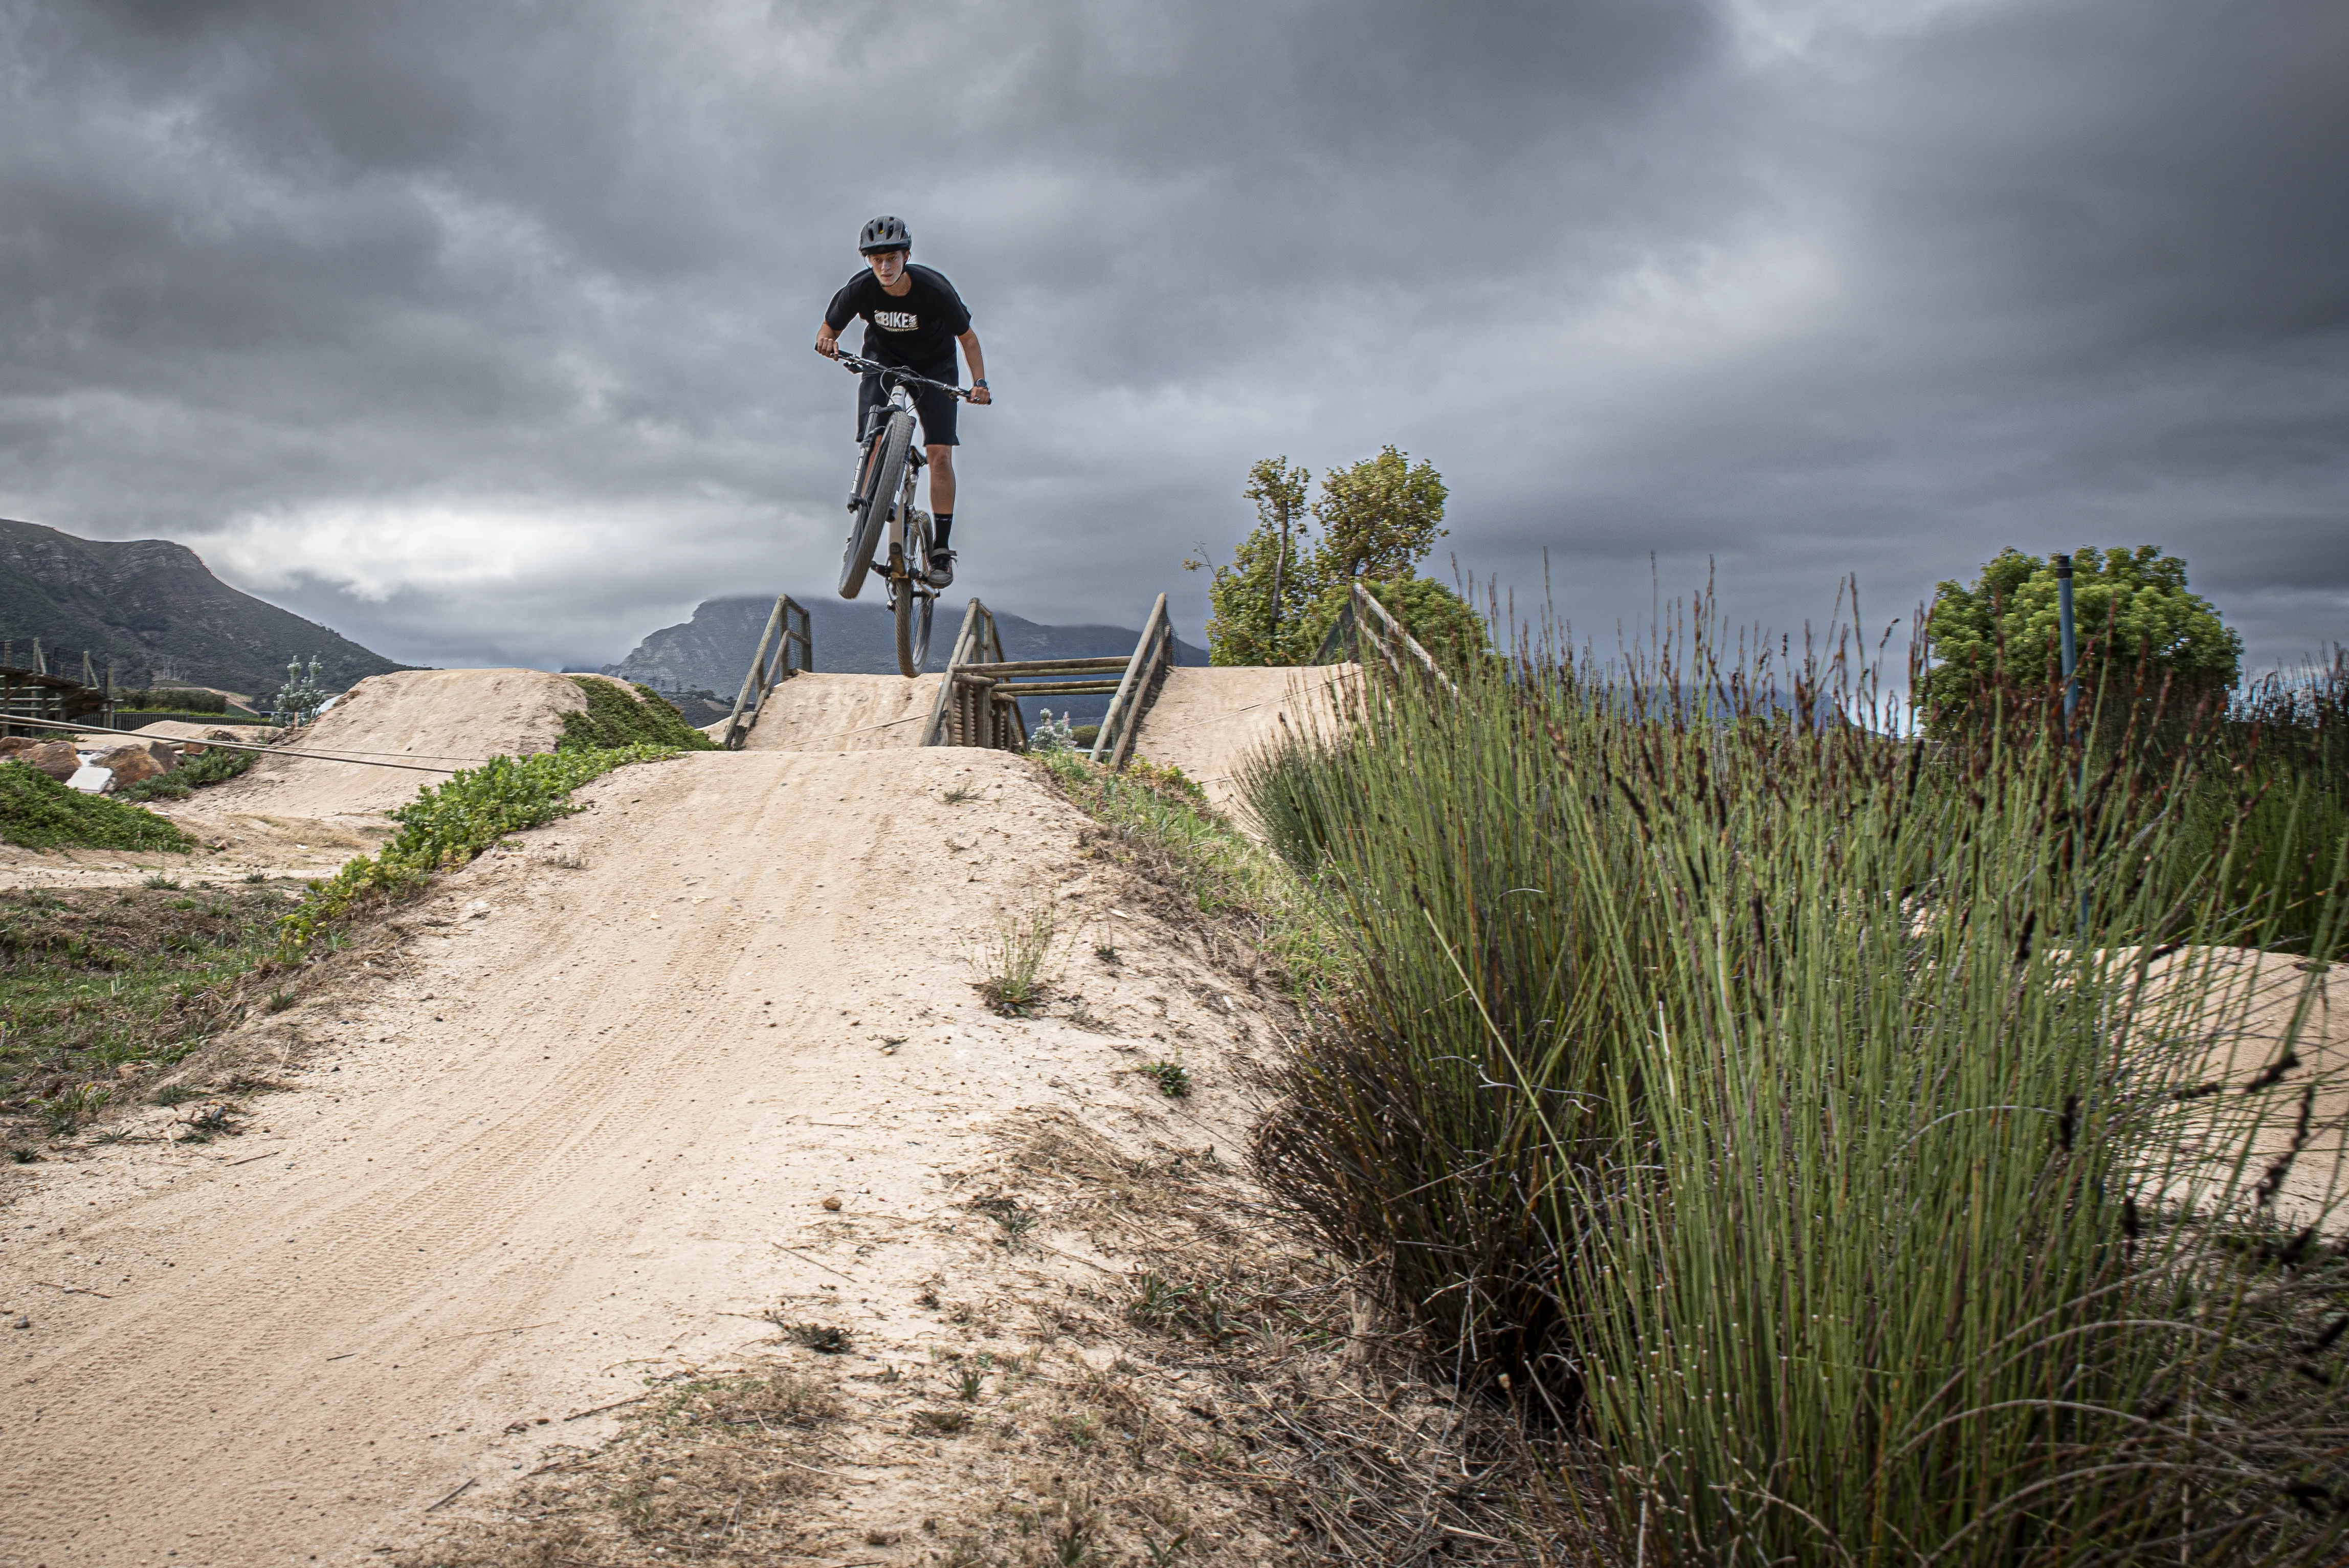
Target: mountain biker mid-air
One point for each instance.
(912, 319)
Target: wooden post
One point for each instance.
(1389, 634)
(750, 684)
(944, 712)
(1106, 742)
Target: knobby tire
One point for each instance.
(913, 606)
(882, 482)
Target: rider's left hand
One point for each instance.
(981, 395)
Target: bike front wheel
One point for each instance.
(883, 481)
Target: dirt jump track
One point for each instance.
(1206, 721)
(570, 1125)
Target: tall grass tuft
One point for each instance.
(1810, 1115)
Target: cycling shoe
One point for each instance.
(941, 572)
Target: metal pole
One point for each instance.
(2071, 642)
(2070, 648)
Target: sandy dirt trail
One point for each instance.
(564, 1145)
(1207, 722)
(847, 713)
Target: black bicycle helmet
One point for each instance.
(884, 234)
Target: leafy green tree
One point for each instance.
(1282, 590)
(1378, 518)
(1258, 601)
(2128, 606)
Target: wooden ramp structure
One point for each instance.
(46, 698)
(975, 701)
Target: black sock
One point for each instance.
(941, 528)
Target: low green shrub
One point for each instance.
(449, 824)
(614, 719)
(38, 813)
(216, 764)
(170, 699)
(1163, 820)
(94, 978)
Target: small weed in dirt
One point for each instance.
(970, 1382)
(1173, 1078)
(175, 1095)
(23, 1154)
(959, 794)
(279, 1001)
(206, 1122)
(1107, 953)
(1006, 1211)
(1011, 963)
(66, 1109)
(822, 1338)
(160, 880)
(943, 1420)
(255, 878)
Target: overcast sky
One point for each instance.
(480, 332)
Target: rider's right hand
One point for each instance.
(828, 346)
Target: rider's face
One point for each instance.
(887, 266)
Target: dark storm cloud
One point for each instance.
(480, 332)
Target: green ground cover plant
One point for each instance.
(214, 764)
(1805, 1115)
(615, 719)
(1162, 819)
(38, 813)
(449, 824)
(94, 979)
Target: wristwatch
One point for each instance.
(980, 382)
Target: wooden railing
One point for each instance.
(1365, 616)
(978, 704)
(1152, 653)
(787, 630)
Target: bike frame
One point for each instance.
(900, 556)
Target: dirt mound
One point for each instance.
(435, 718)
(1207, 720)
(845, 714)
(575, 1136)
(182, 730)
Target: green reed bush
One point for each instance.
(1805, 1111)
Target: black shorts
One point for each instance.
(936, 409)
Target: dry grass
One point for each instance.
(1212, 1395)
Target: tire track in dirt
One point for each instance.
(566, 1151)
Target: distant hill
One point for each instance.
(155, 610)
(712, 651)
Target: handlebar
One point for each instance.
(863, 367)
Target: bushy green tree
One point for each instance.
(1258, 602)
(2131, 607)
(1378, 518)
(1288, 580)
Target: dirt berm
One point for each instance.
(1208, 721)
(572, 1133)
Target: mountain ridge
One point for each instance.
(150, 608)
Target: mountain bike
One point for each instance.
(888, 466)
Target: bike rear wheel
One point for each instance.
(910, 594)
(876, 501)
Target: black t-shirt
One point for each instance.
(915, 330)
